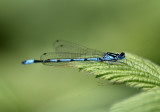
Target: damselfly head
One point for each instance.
(121, 55)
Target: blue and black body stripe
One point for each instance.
(59, 60)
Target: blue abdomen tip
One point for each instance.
(28, 62)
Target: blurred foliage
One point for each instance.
(145, 102)
(28, 28)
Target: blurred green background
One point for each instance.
(28, 29)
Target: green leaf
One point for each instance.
(145, 102)
(135, 71)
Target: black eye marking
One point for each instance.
(122, 54)
(57, 40)
(61, 45)
(44, 53)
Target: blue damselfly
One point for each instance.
(68, 52)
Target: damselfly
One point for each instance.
(68, 52)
